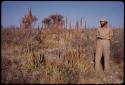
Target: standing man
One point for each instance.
(104, 35)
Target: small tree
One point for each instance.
(46, 22)
(28, 20)
(57, 20)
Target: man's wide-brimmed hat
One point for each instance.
(103, 19)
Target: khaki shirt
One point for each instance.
(104, 33)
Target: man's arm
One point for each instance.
(97, 34)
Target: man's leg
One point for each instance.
(98, 56)
(106, 52)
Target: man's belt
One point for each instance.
(103, 38)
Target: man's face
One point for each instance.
(103, 23)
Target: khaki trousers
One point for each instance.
(102, 47)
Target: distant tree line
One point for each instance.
(54, 21)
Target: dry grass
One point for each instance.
(66, 57)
